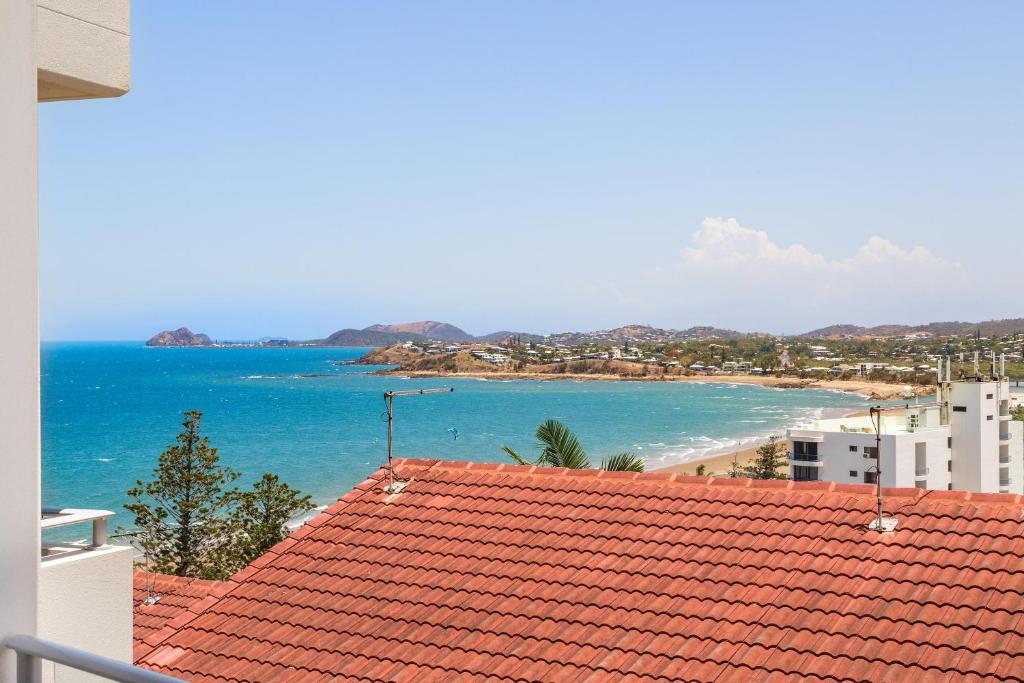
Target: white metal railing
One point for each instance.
(52, 518)
(31, 652)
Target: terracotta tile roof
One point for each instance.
(540, 574)
(159, 598)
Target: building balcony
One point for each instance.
(1004, 458)
(85, 589)
(1005, 438)
(84, 49)
(797, 462)
(1005, 483)
(53, 518)
(921, 473)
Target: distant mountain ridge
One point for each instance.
(986, 328)
(426, 331)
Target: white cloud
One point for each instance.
(724, 242)
(739, 277)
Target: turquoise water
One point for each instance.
(110, 408)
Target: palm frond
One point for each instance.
(515, 456)
(623, 462)
(560, 447)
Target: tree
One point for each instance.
(700, 470)
(1018, 413)
(560, 448)
(190, 521)
(262, 514)
(769, 459)
(181, 516)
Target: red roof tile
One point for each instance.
(159, 599)
(480, 570)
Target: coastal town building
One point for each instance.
(966, 441)
(75, 595)
(506, 572)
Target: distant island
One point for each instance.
(179, 337)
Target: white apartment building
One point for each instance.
(965, 441)
(59, 602)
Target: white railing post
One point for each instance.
(30, 669)
(99, 532)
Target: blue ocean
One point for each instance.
(109, 409)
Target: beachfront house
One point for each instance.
(75, 595)
(967, 441)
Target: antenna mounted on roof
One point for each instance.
(389, 401)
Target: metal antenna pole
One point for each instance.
(389, 400)
(876, 411)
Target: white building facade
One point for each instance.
(967, 441)
(77, 596)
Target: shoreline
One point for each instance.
(868, 389)
(720, 461)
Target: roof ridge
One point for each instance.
(657, 476)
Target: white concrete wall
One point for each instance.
(85, 601)
(975, 438)
(19, 343)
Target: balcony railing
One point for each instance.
(1004, 482)
(1004, 458)
(52, 518)
(921, 472)
(31, 652)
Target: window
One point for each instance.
(920, 484)
(949, 442)
(853, 449)
(959, 409)
(949, 486)
(870, 477)
(805, 447)
(853, 473)
(949, 465)
(988, 417)
(805, 450)
(871, 452)
(988, 396)
(802, 473)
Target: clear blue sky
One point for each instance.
(283, 169)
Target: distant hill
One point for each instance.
(179, 337)
(502, 335)
(986, 328)
(426, 329)
(367, 337)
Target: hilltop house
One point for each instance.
(493, 571)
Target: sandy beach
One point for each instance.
(869, 389)
(721, 463)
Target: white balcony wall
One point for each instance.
(85, 601)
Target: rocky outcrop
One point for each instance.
(179, 337)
